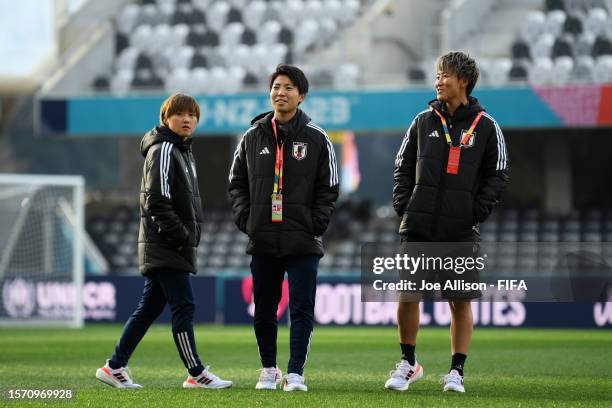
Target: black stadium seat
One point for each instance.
(520, 50)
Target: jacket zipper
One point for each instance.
(436, 214)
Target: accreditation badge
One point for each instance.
(277, 207)
(454, 154)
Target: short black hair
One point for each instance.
(292, 72)
(462, 65)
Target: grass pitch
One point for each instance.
(347, 367)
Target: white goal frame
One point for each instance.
(76, 218)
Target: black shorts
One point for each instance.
(445, 271)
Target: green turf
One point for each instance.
(346, 367)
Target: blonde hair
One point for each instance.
(177, 103)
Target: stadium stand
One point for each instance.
(180, 36)
(355, 223)
(567, 42)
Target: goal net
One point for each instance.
(41, 250)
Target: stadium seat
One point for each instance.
(146, 79)
(210, 39)
(562, 47)
(199, 60)
(584, 44)
(269, 32)
(562, 70)
(305, 35)
(151, 15)
(178, 35)
(291, 13)
(573, 25)
(126, 60)
(249, 37)
(520, 50)
(141, 37)
(601, 46)
(534, 26)
(351, 11)
(121, 42)
(216, 15)
(518, 72)
(314, 9)
(327, 28)
(231, 34)
(554, 5)
(256, 12)
(127, 18)
(595, 22)
(143, 61)
(199, 80)
(333, 9)
(543, 46)
(234, 15)
(178, 80)
(583, 70)
(602, 72)
(498, 74)
(554, 22)
(120, 82)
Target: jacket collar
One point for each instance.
(161, 134)
(462, 112)
(295, 125)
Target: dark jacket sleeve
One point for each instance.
(158, 184)
(405, 169)
(238, 188)
(326, 188)
(495, 176)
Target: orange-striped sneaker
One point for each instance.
(119, 378)
(206, 380)
(404, 375)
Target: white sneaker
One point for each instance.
(453, 382)
(269, 378)
(206, 380)
(294, 382)
(119, 378)
(404, 375)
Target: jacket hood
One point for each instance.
(161, 134)
(462, 112)
(296, 124)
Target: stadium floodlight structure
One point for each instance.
(41, 250)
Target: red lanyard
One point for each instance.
(466, 137)
(278, 166)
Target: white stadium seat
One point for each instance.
(540, 71)
(561, 71)
(534, 26)
(554, 22)
(254, 14)
(543, 46)
(602, 72)
(126, 21)
(596, 21)
(231, 34)
(216, 15)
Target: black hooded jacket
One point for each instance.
(170, 205)
(310, 186)
(434, 205)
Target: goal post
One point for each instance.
(41, 250)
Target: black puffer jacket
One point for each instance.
(170, 205)
(310, 190)
(434, 205)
